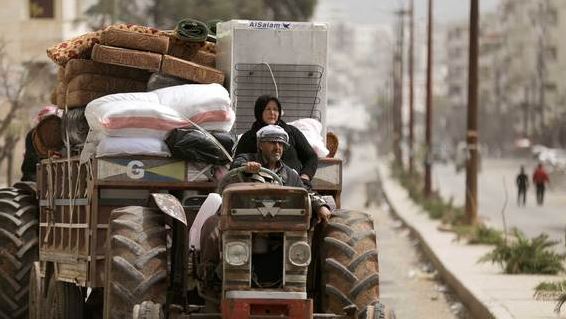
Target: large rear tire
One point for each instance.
(64, 300)
(18, 249)
(350, 277)
(136, 260)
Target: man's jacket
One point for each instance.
(289, 176)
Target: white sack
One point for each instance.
(207, 105)
(312, 130)
(116, 146)
(154, 114)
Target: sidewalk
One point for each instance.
(483, 288)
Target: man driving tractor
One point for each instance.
(271, 141)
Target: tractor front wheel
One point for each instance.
(350, 279)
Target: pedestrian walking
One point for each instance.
(522, 182)
(540, 179)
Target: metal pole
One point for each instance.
(401, 82)
(411, 89)
(429, 93)
(394, 102)
(398, 91)
(472, 134)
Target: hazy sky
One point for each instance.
(381, 11)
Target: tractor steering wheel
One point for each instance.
(239, 174)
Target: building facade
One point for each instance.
(29, 27)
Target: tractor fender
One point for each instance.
(171, 206)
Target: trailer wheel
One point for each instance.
(147, 310)
(35, 292)
(350, 270)
(64, 300)
(18, 249)
(136, 260)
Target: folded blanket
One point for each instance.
(191, 30)
(81, 46)
(183, 50)
(209, 47)
(53, 96)
(81, 66)
(126, 57)
(191, 71)
(61, 95)
(61, 74)
(81, 98)
(76, 48)
(135, 40)
(204, 58)
(105, 83)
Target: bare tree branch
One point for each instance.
(12, 84)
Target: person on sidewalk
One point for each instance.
(540, 179)
(522, 185)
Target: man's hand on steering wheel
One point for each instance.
(252, 167)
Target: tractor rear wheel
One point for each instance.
(136, 260)
(18, 249)
(350, 279)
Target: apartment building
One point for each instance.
(29, 27)
(534, 61)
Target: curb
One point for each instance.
(473, 303)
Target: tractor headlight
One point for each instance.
(237, 253)
(300, 254)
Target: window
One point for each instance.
(41, 9)
(550, 86)
(552, 17)
(552, 53)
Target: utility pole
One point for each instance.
(428, 133)
(411, 88)
(472, 134)
(398, 88)
(541, 65)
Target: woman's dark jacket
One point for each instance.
(299, 155)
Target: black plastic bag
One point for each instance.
(193, 145)
(75, 124)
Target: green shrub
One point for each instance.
(479, 234)
(527, 256)
(552, 291)
(434, 205)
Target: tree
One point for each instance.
(13, 80)
(164, 14)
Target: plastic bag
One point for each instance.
(193, 145)
(312, 130)
(75, 125)
(159, 81)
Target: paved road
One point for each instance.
(407, 281)
(532, 219)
